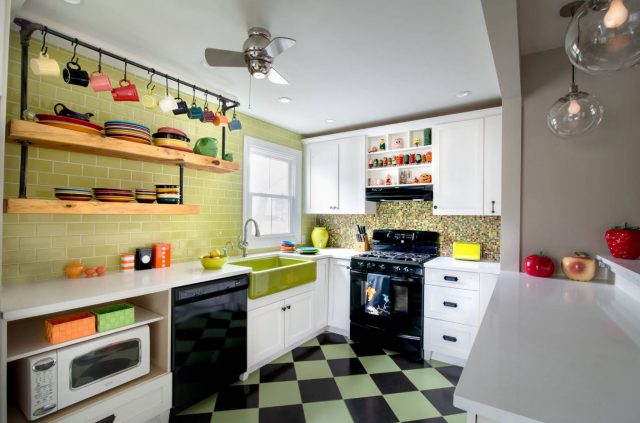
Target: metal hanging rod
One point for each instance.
(27, 28)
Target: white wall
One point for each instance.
(574, 189)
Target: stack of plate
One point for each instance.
(288, 247)
(144, 195)
(127, 131)
(73, 194)
(69, 123)
(113, 195)
(168, 194)
(171, 138)
(307, 250)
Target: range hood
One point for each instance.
(395, 193)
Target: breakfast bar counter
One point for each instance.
(553, 350)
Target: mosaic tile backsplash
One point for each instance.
(417, 216)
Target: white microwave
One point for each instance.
(55, 379)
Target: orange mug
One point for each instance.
(221, 120)
(100, 82)
(125, 92)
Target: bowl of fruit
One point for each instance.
(215, 260)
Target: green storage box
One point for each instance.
(114, 316)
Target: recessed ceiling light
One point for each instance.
(74, 2)
(285, 100)
(330, 120)
(462, 94)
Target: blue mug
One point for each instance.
(194, 112)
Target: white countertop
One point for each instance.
(28, 299)
(551, 350)
(449, 263)
(626, 268)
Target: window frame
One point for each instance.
(295, 179)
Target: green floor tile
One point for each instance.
(337, 351)
(204, 406)
(427, 379)
(316, 369)
(326, 411)
(253, 379)
(279, 393)
(456, 418)
(286, 358)
(409, 406)
(379, 364)
(357, 386)
(311, 343)
(249, 415)
(436, 363)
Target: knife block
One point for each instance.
(363, 246)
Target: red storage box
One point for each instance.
(72, 326)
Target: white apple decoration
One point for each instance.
(579, 267)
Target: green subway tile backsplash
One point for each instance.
(417, 216)
(38, 246)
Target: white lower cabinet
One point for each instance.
(298, 318)
(339, 296)
(321, 294)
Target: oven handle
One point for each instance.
(393, 278)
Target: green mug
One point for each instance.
(228, 157)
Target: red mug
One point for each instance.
(100, 82)
(207, 116)
(125, 92)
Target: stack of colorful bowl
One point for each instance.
(144, 195)
(127, 131)
(73, 194)
(168, 194)
(171, 138)
(113, 195)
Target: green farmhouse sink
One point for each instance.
(274, 274)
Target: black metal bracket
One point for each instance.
(181, 166)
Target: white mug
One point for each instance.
(168, 103)
(44, 66)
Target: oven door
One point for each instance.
(95, 366)
(405, 298)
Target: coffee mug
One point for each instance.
(44, 66)
(235, 125)
(62, 110)
(74, 75)
(228, 157)
(100, 82)
(168, 103)
(220, 120)
(149, 100)
(125, 92)
(194, 112)
(182, 107)
(207, 116)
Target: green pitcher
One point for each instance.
(206, 146)
(319, 237)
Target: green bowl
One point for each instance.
(213, 262)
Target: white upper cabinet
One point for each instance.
(458, 168)
(335, 177)
(467, 163)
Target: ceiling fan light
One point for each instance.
(258, 75)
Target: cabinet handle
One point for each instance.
(451, 278)
(283, 309)
(450, 304)
(109, 419)
(493, 206)
(449, 338)
(435, 207)
(289, 307)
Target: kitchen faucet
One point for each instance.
(243, 243)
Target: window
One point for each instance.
(272, 196)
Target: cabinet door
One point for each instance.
(265, 332)
(352, 171)
(339, 293)
(492, 165)
(321, 164)
(458, 168)
(321, 294)
(298, 318)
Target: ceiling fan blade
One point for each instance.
(276, 78)
(278, 45)
(224, 58)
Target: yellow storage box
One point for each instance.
(466, 251)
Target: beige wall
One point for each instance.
(574, 189)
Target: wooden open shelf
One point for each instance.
(33, 205)
(65, 139)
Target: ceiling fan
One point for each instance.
(258, 53)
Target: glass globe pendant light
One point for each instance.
(575, 113)
(603, 35)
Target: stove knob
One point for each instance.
(382, 267)
(397, 269)
(370, 265)
(406, 269)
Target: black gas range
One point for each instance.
(387, 287)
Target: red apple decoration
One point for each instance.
(539, 265)
(579, 267)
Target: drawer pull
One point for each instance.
(449, 338)
(109, 419)
(451, 278)
(450, 304)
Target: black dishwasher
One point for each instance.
(208, 338)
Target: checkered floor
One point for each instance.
(330, 379)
